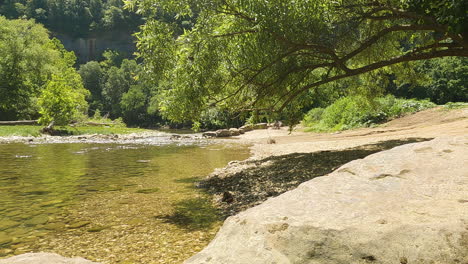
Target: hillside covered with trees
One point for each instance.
(216, 63)
(78, 18)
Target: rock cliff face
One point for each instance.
(405, 205)
(91, 48)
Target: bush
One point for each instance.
(313, 116)
(458, 105)
(63, 99)
(359, 111)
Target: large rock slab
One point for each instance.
(43, 258)
(404, 205)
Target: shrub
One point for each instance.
(63, 99)
(358, 111)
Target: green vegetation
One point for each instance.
(119, 89)
(20, 130)
(74, 17)
(276, 56)
(35, 73)
(442, 80)
(358, 111)
(216, 63)
(458, 105)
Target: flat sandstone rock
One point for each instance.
(43, 258)
(404, 205)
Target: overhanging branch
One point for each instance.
(378, 65)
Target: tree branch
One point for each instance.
(377, 65)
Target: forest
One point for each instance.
(222, 63)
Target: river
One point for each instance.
(111, 203)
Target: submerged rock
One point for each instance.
(43, 258)
(79, 224)
(37, 220)
(404, 205)
(6, 223)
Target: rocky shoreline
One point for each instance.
(153, 137)
(385, 208)
(275, 169)
(245, 184)
(144, 137)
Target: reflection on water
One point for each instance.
(74, 199)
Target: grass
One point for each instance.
(24, 130)
(20, 130)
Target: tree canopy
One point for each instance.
(270, 55)
(30, 65)
(77, 18)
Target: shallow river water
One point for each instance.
(110, 203)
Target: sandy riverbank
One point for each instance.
(425, 124)
(299, 156)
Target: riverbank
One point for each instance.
(271, 170)
(298, 157)
(35, 130)
(126, 136)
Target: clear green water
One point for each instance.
(53, 193)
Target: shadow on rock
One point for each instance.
(193, 214)
(275, 175)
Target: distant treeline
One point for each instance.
(77, 18)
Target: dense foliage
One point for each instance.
(119, 89)
(269, 55)
(30, 66)
(358, 111)
(221, 63)
(63, 98)
(74, 17)
(441, 80)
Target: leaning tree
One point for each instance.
(268, 54)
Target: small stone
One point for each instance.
(97, 228)
(79, 224)
(153, 190)
(37, 220)
(234, 131)
(223, 133)
(209, 134)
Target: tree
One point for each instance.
(118, 82)
(93, 76)
(64, 97)
(443, 80)
(27, 58)
(77, 18)
(260, 54)
(134, 105)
